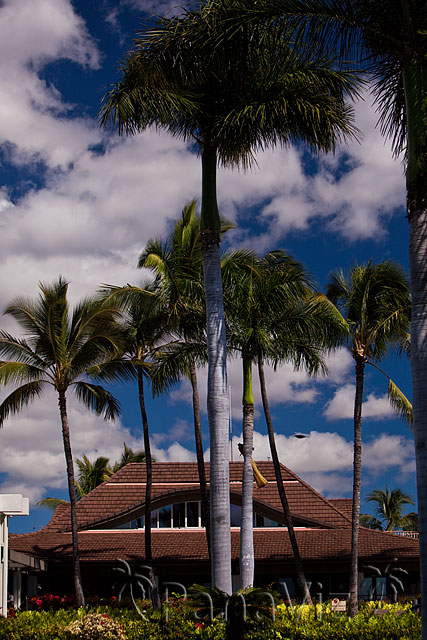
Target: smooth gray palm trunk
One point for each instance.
(218, 411)
(357, 476)
(418, 265)
(62, 402)
(200, 458)
(301, 580)
(247, 563)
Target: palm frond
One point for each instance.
(400, 402)
(97, 399)
(19, 372)
(20, 398)
(370, 522)
(51, 503)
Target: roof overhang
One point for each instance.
(23, 561)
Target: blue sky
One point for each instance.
(82, 203)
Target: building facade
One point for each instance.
(111, 537)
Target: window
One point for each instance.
(193, 514)
(165, 517)
(188, 515)
(178, 511)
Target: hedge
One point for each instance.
(178, 621)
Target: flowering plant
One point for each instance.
(95, 626)
(49, 601)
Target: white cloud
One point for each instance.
(33, 117)
(341, 406)
(31, 448)
(283, 385)
(389, 451)
(355, 204)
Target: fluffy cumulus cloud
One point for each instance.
(283, 385)
(34, 119)
(32, 452)
(341, 405)
(325, 459)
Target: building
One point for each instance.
(111, 536)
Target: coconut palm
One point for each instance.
(128, 455)
(389, 505)
(251, 92)
(91, 474)
(177, 265)
(275, 316)
(144, 324)
(376, 303)
(57, 350)
(389, 38)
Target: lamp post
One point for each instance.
(11, 504)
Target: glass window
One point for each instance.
(192, 514)
(178, 515)
(235, 515)
(165, 517)
(154, 519)
(258, 520)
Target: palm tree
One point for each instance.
(231, 100)
(277, 317)
(58, 349)
(144, 324)
(91, 474)
(376, 303)
(177, 265)
(389, 38)
(389, 505)
(128, 455)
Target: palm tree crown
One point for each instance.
(58, 350)
(389, 505)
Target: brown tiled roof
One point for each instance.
(344, 505)
(124, 493)
(269, 544)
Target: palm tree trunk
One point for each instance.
(155, 598)
(415, 84)
(247, 561)
(357, 475)
(199, 455)
(302, 582)
(217, 377)
(62, 402)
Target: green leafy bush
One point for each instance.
(177, 621)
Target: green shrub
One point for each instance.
(177, 621)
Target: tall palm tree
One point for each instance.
(277, 317)
(177, 265)
(144, 324)
(376, 303)
(389, 505)
(389, 38)
(57, 350)
(251, 92)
